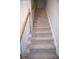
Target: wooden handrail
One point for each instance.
(23, 28)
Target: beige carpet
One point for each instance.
(42, 41)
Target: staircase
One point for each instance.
(42, 42)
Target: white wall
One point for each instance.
(53, 15)
(24, 6)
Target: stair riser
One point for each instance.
(43, 55)
(36, 17)
(40, 21)
(41, 16)
(41, 30)
(40, 26)
(42, 50)
(42, 35)
(43, 46)
(42, 41)
(41, 13)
